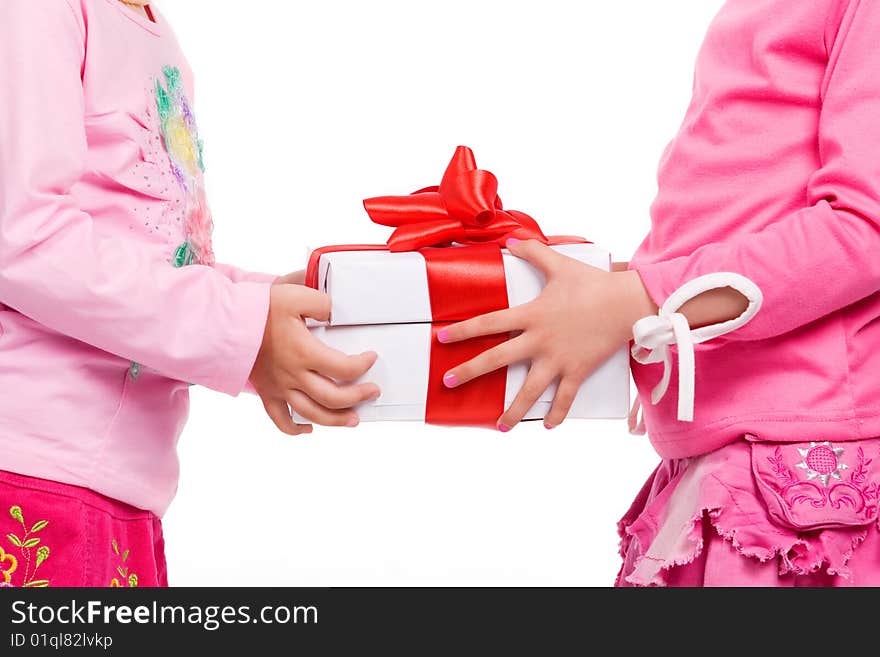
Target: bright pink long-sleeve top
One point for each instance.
(774, 176)
(111, 304)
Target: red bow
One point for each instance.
(465, 208)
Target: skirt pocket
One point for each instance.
(818, 485)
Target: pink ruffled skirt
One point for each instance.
(757, 513)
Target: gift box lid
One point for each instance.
(383, 287)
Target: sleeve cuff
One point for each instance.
(655, 334)
(242, 339)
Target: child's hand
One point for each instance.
(581, 318)
(296, 370)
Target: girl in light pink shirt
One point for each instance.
(757, 287)
(111, 301)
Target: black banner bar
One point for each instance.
(413, 621)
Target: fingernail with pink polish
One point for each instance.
(443, 335)
(511, 241)
(503, 428)
(547, 425)
(352, 422)
(450, 380)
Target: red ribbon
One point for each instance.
(463, 282)
(464, 208)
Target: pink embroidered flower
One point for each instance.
(822, 460)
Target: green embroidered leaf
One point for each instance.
(115, 546)
(15, 540)
(132, 580)
(172, 77)
(37, 584)
(39, 526)
(180, 255)
(163, 102)
(31, 542)
(122, 572)
(15, 512)
(42, 555)
(125, 555)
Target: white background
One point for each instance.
(307, 108)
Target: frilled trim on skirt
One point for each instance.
(766, 500)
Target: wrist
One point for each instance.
(634, 300)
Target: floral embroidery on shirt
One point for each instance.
(129, 578)
(180, 134)
(10, 564)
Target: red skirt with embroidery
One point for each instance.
(52, 534)
(758, 513)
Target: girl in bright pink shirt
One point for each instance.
(111, 301)
(762, 276)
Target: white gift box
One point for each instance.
(380, 302)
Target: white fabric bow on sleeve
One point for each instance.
(653, 335)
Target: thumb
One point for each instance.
(534, 252)
(306, 302)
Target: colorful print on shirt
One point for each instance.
(180, 134)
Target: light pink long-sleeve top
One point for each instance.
(775, 176)
(110, 301)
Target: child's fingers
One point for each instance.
(538, 380)
(504, 354)
(328, 393)
(499, 321)
(338, 365)
(538, 254)
(279, 413)
(313, 411)
(565, 394)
